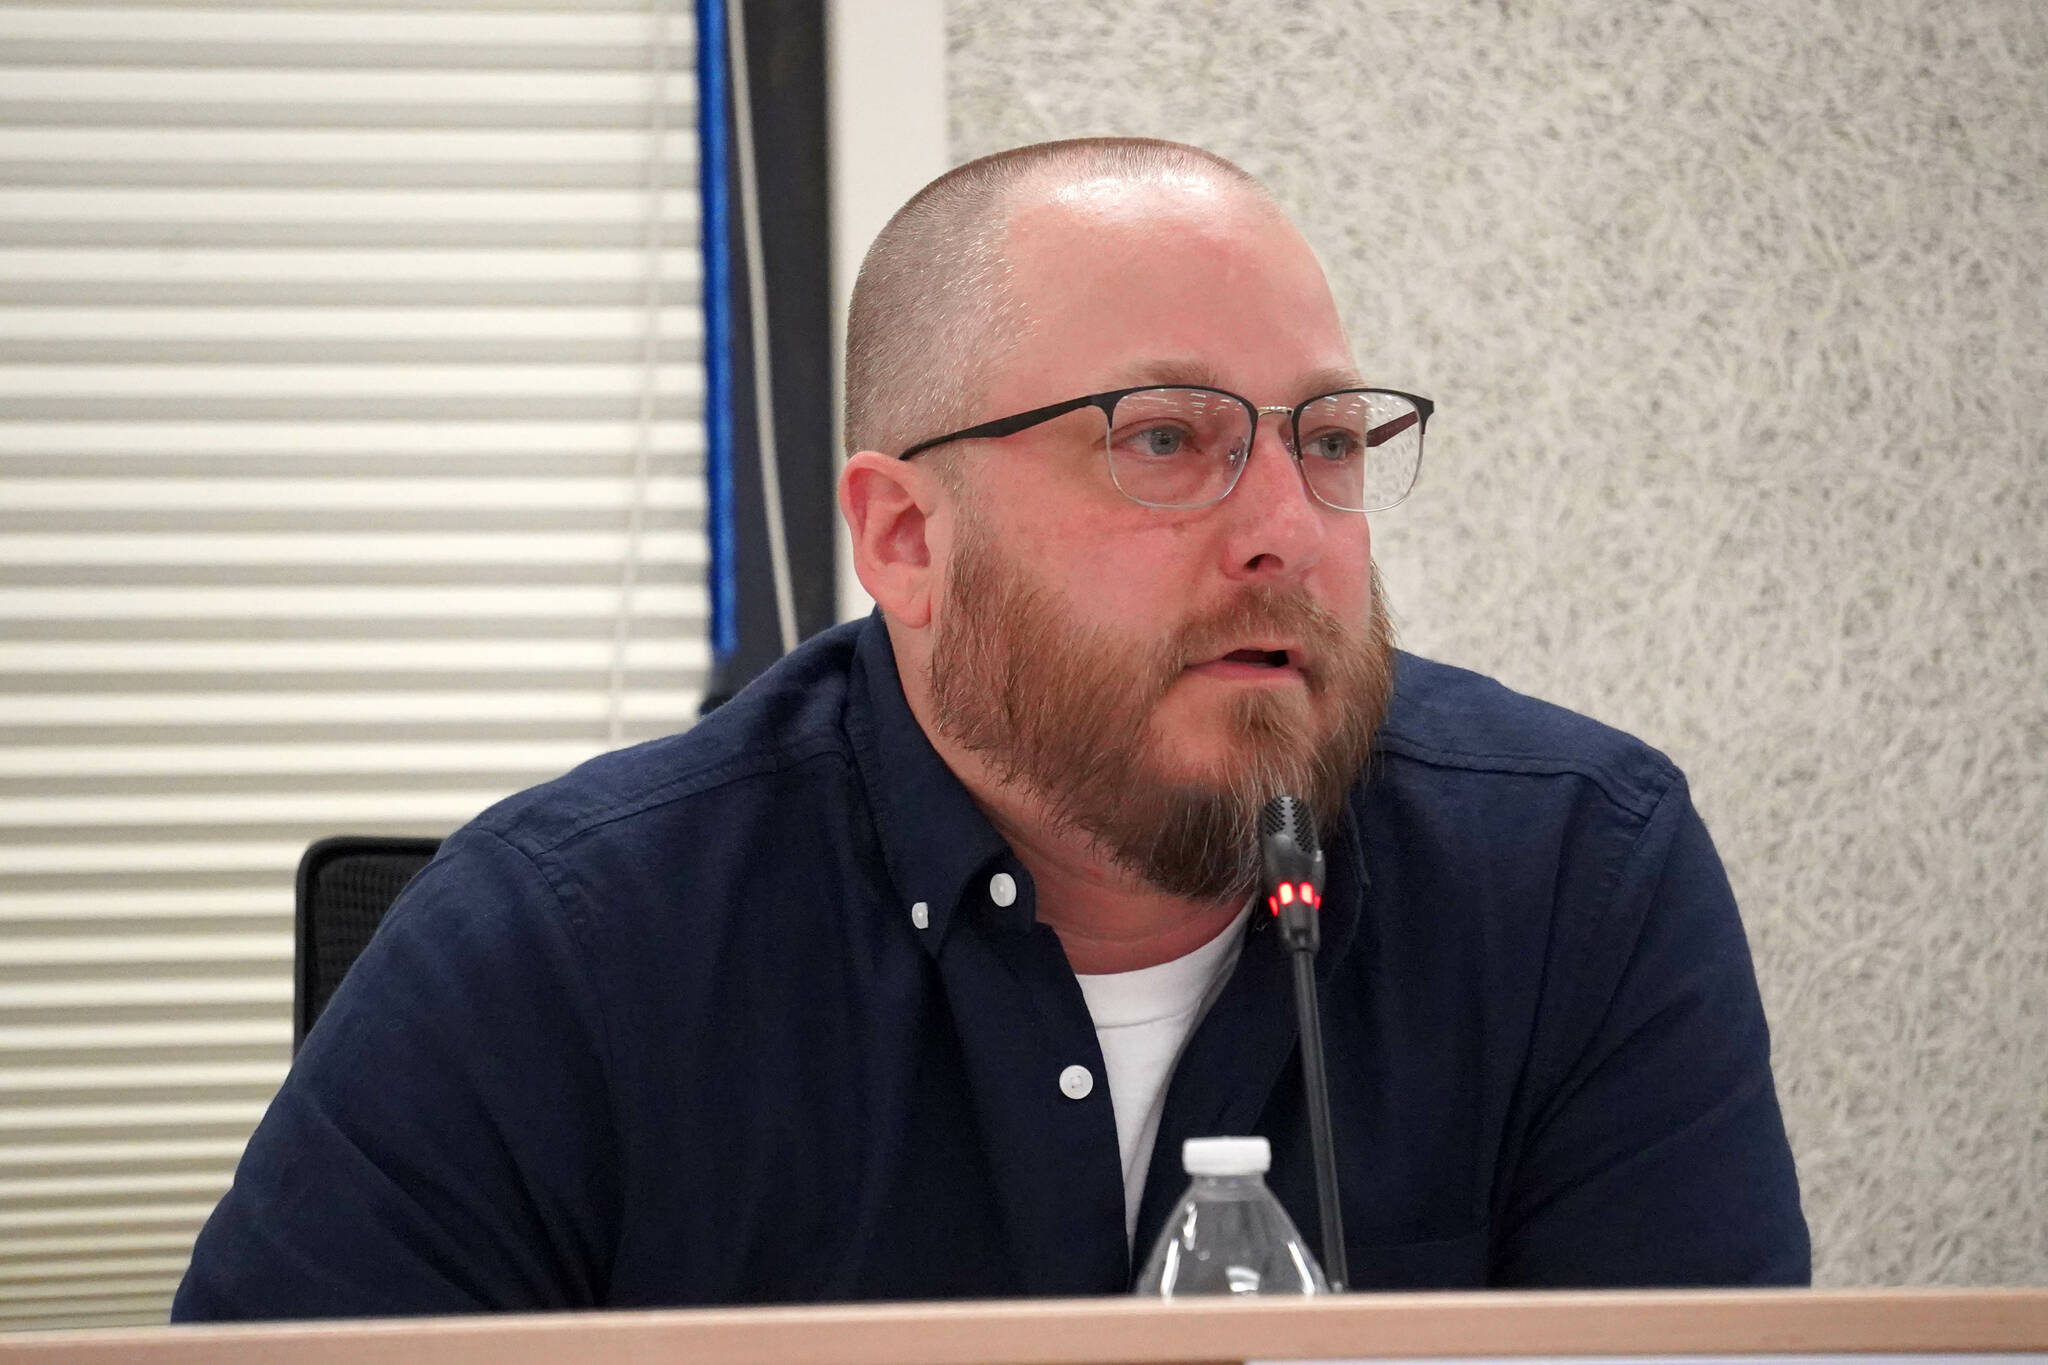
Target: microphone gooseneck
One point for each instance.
(1291, 857)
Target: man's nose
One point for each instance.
(1277, 529)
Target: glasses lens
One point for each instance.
(1177, 447)
(1359, 450)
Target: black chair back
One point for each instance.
(345, 885)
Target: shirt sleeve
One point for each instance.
(1657, 1155)
(443, 1142)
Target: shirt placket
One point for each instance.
(1040, 1098)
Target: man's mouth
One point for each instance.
(1253, 665)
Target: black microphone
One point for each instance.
(1293, 862)
(1292, 859)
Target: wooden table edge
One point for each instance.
(1072, 1331)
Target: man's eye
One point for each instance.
(1158, 442)
(1333, 445)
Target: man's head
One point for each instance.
(1144, 676)
(933, 313)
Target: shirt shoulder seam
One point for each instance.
(1637, 798)
(694, 782)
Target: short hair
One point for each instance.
(932, 313)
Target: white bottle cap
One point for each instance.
(1226, 1156)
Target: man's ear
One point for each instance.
(888, 505)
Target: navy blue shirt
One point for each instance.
(664, 1032)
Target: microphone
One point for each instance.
(1291, 857)
(1293, 861)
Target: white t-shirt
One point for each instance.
(1142, 1021)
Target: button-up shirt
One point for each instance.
(764, 1012)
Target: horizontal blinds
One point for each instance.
(347, 356)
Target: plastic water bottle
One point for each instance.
(1228, 1234)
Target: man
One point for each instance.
(905, 974)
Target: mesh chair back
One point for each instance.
(345, 886)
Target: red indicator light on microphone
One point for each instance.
(1286, 894)
(1308, 895)
(1274, 902)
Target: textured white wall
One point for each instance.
(1736, 315)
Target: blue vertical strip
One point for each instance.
(717, 270)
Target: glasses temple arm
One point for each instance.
(1387, 431)
(1009, 426)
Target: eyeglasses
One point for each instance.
(1358, 450)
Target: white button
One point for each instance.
(921, 915)
(1002, 889)
(1076, 1082)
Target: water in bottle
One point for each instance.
(1228, 1234)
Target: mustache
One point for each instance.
(1253, 612)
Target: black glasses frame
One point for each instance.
(1106, 402)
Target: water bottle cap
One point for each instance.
(1226, 1156)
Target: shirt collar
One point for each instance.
(937, 844)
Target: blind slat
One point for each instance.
(333, 494)
(414, 94)
(86, 949)
(320, 708)
(403, 146)
(96, 1268)
(78, 267)
(479, 26)
(49, 1039)
(562, 547)
(337, 808)
(280, 443)
(81, 907)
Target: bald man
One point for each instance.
(905, 974)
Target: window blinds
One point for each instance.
(350, 478)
